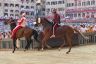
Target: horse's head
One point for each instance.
(43, 21)
(8, 21)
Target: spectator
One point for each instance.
(0, 36)
(83, 28)
(94, 28)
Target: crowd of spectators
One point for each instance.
(85, 28)
(82, 28)
(5, 35)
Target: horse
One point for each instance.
(64, 32)
(25, 32)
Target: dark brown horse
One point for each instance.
(63, 32)
(23, 32)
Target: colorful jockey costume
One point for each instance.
(56, 21)
(21, 23)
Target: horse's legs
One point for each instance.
(27, 45)
(42, 46)
(18, 43)
(69, 41)
(29, 41)
(14, 45)
(64, 40)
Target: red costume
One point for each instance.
(56, 20)
(21, 23)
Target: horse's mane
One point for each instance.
(47, 21)
(13, 24)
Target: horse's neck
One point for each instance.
(12, 25)
(47, 25)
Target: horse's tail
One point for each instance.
(85, 37)
(35, 35)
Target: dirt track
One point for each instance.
(79, 55)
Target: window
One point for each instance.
(53, 2)
(79, 4)
(43, 9)
(6, 10)
(63, 2)
(5, 14)
(16, 5)
(27, 7)
(16, 15)
(22, 6)
(0, 4)
(88, 2)
(27, 1)
(75, 15)
(59, 2)
(32, 13)
(83, 14)
(27, 13)
(67, 4)
(72, 4)
(11, 5)
(48, 3)
(11, 14)
(32, 0)
(93, 2)
(11, 10)
(6, 4)
(71, 15)
(83, 3)
(60, 9)
(17, 11)
(48, 10)
(32, 7)
(79, 15)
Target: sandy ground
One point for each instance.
(79, 55)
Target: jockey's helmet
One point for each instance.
(23, 14)
(54, 10)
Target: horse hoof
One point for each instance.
(67, 52)
(25, 50)
(59, 49)
(42, 49)
(12, 51)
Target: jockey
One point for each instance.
(20, 24)
(56, 21)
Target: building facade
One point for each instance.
(55, 4)
(40, 8)
(12, 8)
(76, 9)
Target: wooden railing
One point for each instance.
(77, 40)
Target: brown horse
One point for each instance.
(63, 32)
(23, 32)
